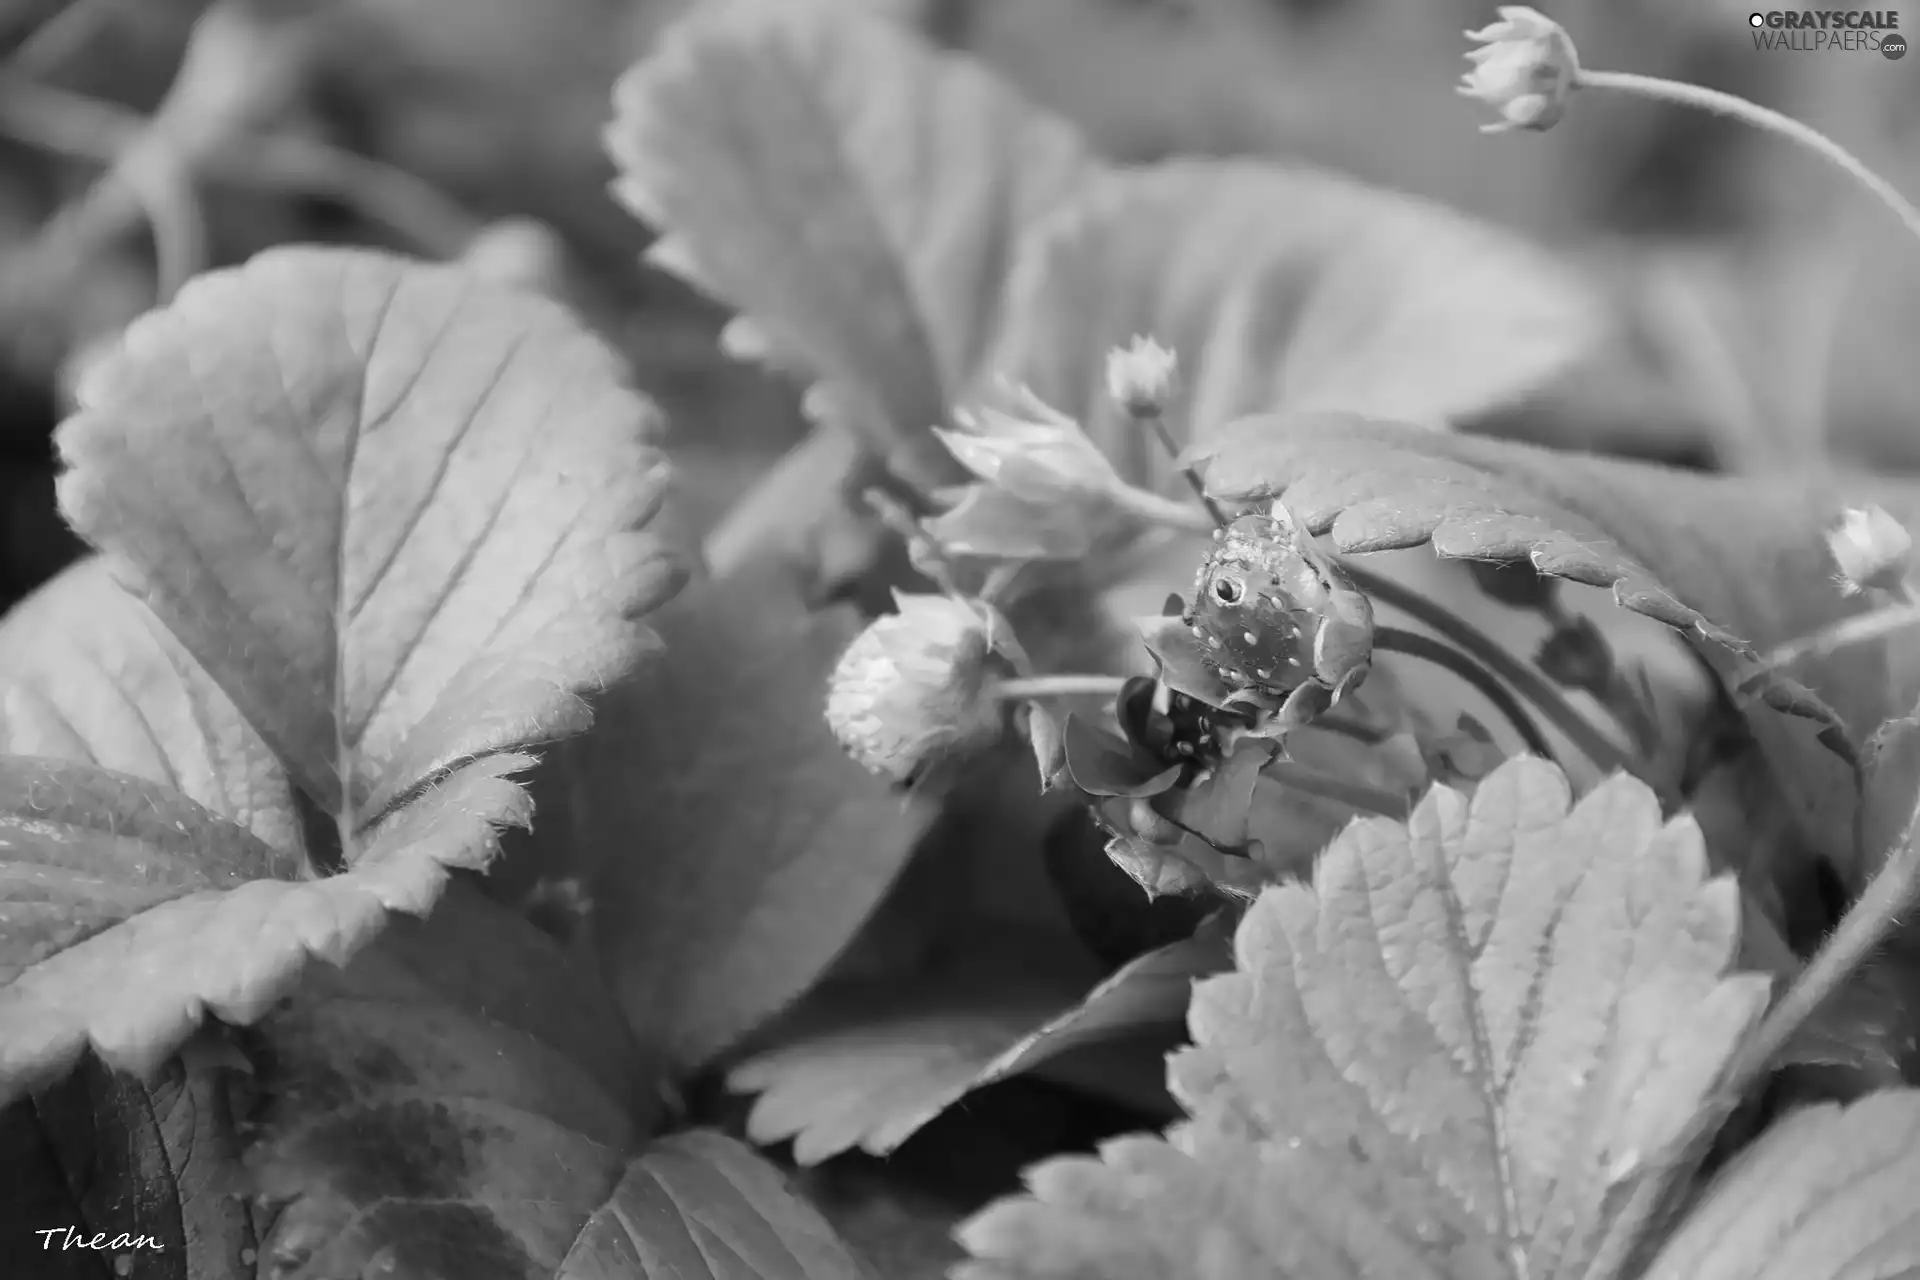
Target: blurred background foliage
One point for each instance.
(1772, 308)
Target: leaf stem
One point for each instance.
(1355, 795)
(1027, 687)
(1762, 118)
(1858, 629)
(1427, 649)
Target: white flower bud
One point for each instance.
(914, 686)
(1140, 377)
(1525, 69)
(1871, 550)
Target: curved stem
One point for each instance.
(1055, 686)
(1427, 649)
(1525, 680)
(1856, 629)
(1763, 118)
(1167, 442)
(1355, 795)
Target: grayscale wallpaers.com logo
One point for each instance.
(1820, 30)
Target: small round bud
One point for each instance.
(1140, 377)
(524, 253)
(1871, 549)
(1525, 69)
(913, 687)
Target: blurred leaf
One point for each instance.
(104, 1154)
(1450, 1055)
(699, 1206)
(1825, 1193)
(397, 515)
(876, 1063)
(1733, 563)
(784, 148)
(733, 848)
(456, 1101)
(1285, 287)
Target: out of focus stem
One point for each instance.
(1762, 118)
(1025, 687)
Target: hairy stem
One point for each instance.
(1857, 629)
(1762, 118)
(1892, 891)
(1355, 795)
(1024, 687)
(1888, 896)
(1427, 649)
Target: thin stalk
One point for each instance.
(1857, 629)
(1024, 687)
(1150, 506)
(1762, 118)
(1427, 649)
(1528, 682)
(1355, 795)
(1158, 423)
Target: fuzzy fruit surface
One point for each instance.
(1274, 613)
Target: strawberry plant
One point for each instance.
(1457, 857)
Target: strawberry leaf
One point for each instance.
(1732, 563)
(1452, 1054)
(1284, 287)
(100, 1155)
(870, 1066)
(725, 906)
(463, 1100)
(92, 676)
(1825, 1193)
(394, 513)
(131, 911)
(853, 193)
(156, 865)
(699, 1206)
